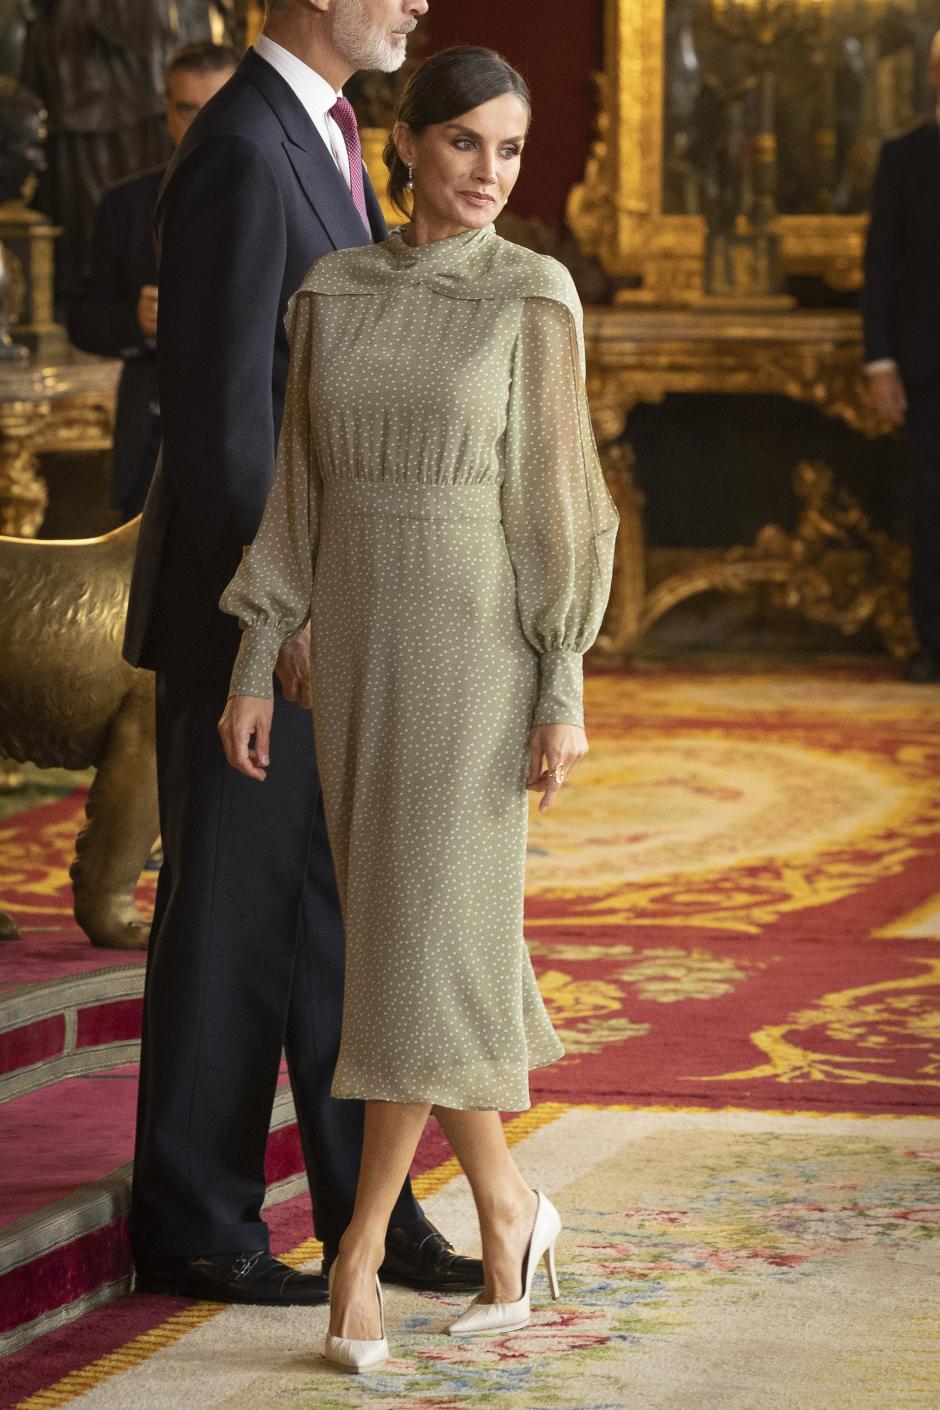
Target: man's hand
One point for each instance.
(147, 310)
(293, 668)
(244, 716)
(887, 392)
(554, 750)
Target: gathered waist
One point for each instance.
(391, 498)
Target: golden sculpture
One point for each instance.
(29, 238)
(67, 698)
(866, 584)
(25, 253)
(23, 496)
(836, 569)
(61, 401)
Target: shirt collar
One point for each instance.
(310, 87)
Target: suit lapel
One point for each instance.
(312, 163)
(327, 192)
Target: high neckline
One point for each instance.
(439, 253)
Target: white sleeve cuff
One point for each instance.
(881, 364)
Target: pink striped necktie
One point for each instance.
(345, 118)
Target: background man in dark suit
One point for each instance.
(113, 310)
(247, 947)
(901, 306)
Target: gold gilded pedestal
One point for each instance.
(57, 400)
(836, 568)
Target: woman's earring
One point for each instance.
(410, 183)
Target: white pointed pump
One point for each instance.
(490, 1319)
(354, 1355)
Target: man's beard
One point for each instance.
(362, 43)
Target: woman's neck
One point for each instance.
(425, 230)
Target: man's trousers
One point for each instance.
(923, 426)
(246, 959)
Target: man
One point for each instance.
(113, 310)
(247, 948)
(901, 307)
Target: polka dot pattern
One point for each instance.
(440, 515)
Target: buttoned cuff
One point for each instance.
(561, 689)
(253, 672)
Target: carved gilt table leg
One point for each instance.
(621, 625)
(621, 628)
(23, 495)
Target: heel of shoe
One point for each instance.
(551, 1270)
(358, 1355)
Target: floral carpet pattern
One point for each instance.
(722, 1259)
(734, 916)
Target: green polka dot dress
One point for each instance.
(440, 516)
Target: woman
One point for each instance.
(440, 516)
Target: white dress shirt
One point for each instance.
(314, 92)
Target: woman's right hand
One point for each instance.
(244, 716)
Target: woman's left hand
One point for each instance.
(554, 750)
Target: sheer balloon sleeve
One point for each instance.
(558, 517)
(271, 592)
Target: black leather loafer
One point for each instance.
(239, 1277)
(418, 1256)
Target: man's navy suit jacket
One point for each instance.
(251, 199)
(102, 316)
(901, 300)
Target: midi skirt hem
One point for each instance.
(502, 1096)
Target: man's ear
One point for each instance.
(275, 10)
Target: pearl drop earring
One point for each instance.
(410, 183)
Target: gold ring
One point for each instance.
(558, 774)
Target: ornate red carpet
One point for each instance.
(735, 918)
(738, 901)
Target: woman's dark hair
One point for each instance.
(446, 86)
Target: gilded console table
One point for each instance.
(640, 355)
(56, 400)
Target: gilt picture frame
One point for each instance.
(620, 213)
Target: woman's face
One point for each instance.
(465, 170)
